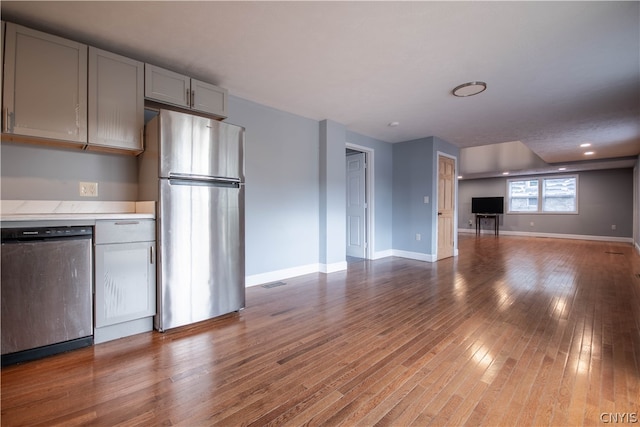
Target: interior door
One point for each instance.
(446, 206)
(356, 206)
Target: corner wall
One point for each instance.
(282, 191)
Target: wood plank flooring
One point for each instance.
(514, 331)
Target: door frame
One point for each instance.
(435, 205)
(369, 228)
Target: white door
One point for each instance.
(356, 206)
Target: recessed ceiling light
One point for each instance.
(469, 89)
(394, 124)
(589, 153)
(505, 173)
(562, 169)
(586, 144)
(459, 176)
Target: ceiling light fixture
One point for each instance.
(394, 124)
(562, 169)
(469, 89)
(505, 173)
(589, 153)
(586, 144)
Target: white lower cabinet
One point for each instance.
(125, 278)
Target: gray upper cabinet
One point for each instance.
(168, 87)
(116, 101)
(45, 86)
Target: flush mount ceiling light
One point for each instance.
(586, 144)
(394, 124)
(469, 89)
(589, 153)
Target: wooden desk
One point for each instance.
(496, 221)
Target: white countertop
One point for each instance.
(45, 210)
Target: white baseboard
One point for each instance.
(552, 235)
(637, 248)
(413, 255)
(274, 276)
(332, 268)
(383, 254)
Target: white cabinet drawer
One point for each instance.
(125, 230)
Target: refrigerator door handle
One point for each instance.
(203, 178)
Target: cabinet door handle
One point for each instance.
(127, 222)
(193, 98)
(151, 257)
(5, 120)
(188, 97)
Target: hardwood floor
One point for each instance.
(514, 331)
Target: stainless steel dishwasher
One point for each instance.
(46, 291)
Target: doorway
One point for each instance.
(359, 239)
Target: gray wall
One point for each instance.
(383, 188)
(412, 180)
(605, 197)
(333, 206)
(414, 168)
(282, 188)
(33, 172)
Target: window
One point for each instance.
(543, 195)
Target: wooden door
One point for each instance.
(446, 206)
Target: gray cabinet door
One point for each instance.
(125, 271)
(45, 85)
(125, 282)
(116, 101)
(166, 86)
(208, 98)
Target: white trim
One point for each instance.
(637, 248)
(435, 203)
(274, 276)
(332, 268)
(383, 254)
(370, 195)
(553, 235)
(414, 255)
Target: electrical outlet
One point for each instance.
(531, 224)
(426, 199)
(613, 226)
(418, 237)
(470, 223)
(88, 189)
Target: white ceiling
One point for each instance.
(558, 73)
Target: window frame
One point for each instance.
(540, 200)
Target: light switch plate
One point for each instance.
(88, 189)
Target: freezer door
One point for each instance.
(201, 258)
(193, 145)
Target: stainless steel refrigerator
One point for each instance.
(194, 168)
